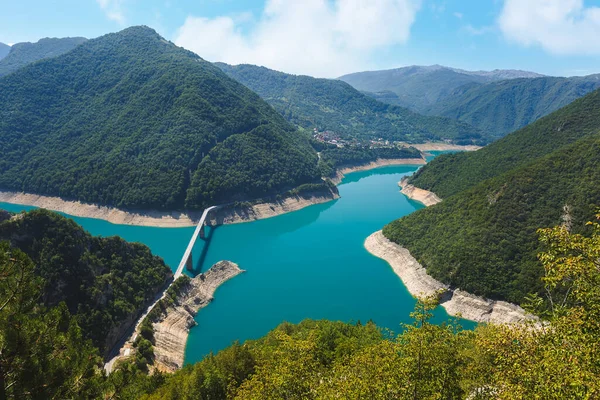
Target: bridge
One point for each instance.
(187, 256)
(124, 345)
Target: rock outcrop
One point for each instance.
(421, 195)
(455, 301)
(172, 329)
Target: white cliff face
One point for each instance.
(171, 331)
(421, 195)
(419, 283)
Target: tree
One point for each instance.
(42, 351)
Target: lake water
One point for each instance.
(306, 264)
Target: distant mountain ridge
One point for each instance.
(130, 120)
(4, 50)
(419, 87)
(328, 104)
(504, 106)
(22, 54)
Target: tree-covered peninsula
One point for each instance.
(132, 121)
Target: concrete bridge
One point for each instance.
(123, 347)
(186, 261)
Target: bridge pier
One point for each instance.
(186, 260)
(189, 263)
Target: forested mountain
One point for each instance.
(22, 54)
(482, 238)
(505, 106)
(420, 87)
(334, 105)
(104, 282)
(131, 120)
(449, 174)
(4, 50)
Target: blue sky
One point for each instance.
(331, 37)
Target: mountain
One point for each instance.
(333, 105)
(420, 87)
(447, 175)
(483, 237)
(130, 120)
(22, 54)
(505, 106)
(4, 50)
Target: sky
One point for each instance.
(329, 38)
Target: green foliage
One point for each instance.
(449, 174)
(44, 356)
(132, 121)
(22, 54)
(333, 105)
(483, 240)
(42, 351)
(503, 107)
(245, 167)
(355, 155)
(103, 281)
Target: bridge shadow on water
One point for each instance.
(209, 232)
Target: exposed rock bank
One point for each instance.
(253, 212)
(173, 219)
(418, 282)
(172, 329)
(441, 146)
(421, 195)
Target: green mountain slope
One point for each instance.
(418, 87)
(449, 174)
(104, 282)
(131, 120)
(22, 54)
(505, 106)
(4, 50)
(484, 240)
(334, 105)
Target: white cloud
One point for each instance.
(113, 10)
(472, 30)
(558, 26)
(314, 37)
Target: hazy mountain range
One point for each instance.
(329, 104)
(4, 50)
(25, 53)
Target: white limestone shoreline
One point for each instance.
(417, 194)
(455, 301)
(165, 219)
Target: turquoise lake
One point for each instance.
(307, 264)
